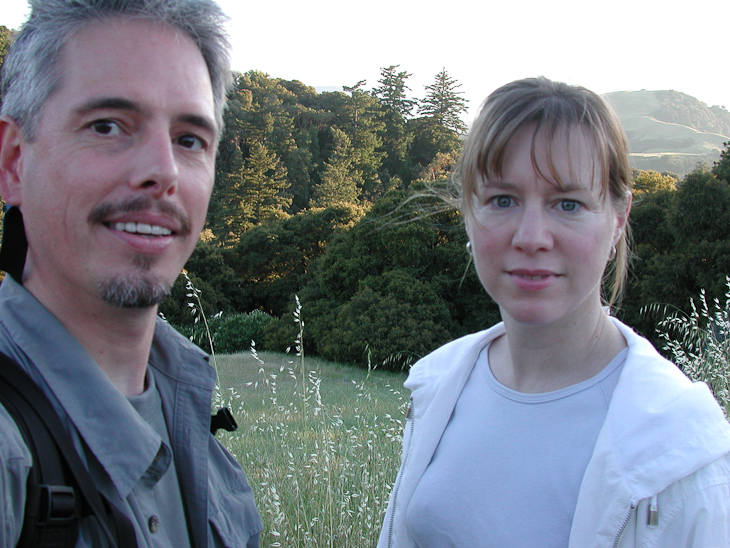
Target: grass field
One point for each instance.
(320, 444)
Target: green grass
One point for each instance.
(320, 444)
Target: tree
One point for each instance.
(6, 38)
(271, 260)
(340, 179)
(392, 91)
(652, 181)
(256, 193)
(364, 128)
(721, 168)
(443, 103)
(682, 243)
(396, 285)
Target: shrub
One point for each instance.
(235, 332)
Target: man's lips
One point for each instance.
(142, 215)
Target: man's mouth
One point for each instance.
(142, 228)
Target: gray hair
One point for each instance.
(30, 72)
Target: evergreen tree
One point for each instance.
(443, 103)
(258, 192)
(364, 127)
(340, 178)
(392, 91)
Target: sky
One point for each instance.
(622, 45)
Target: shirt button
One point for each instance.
(159, 454)
(154, 524)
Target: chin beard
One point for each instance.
(137, 289)
(139, 292)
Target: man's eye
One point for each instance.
(191, 142)
(105, 127)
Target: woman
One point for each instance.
(559, 427)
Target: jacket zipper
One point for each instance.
(409, 413)
(624, 524)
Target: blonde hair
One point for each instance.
(551, 108)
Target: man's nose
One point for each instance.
(156, 167)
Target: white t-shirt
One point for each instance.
(508, 468)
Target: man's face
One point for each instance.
(115, 188)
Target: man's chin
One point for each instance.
(133, 292)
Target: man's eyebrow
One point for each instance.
(118, 103)
(202, 122)
(109, 103)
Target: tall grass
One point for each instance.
(320, 444)
(699, 343)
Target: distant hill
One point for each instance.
(669, 130)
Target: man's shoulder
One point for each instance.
(12, 445)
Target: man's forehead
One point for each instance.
(135, 61)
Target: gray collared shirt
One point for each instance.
(125, 455)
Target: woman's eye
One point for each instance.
(502, 201)
(569, 205)
(191, 142)
(105, 127)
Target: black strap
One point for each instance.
(58, 505)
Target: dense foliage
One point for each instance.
(309, 201)
(313, 200)
(682, 244)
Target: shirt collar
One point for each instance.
(123, 443)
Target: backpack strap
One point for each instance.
(60, 489)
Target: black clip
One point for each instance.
(223, 419)
(58, 504)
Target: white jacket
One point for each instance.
(664, 450)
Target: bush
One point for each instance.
(235, 332)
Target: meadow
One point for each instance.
(320, 444)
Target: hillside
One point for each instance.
(669, 130)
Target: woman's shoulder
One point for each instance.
(451, 357)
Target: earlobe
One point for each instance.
(10, 154)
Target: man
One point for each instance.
(110, 121)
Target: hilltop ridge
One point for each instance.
(669, 130)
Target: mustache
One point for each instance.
(101, 213)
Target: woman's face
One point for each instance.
(540, 249)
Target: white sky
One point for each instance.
(619, 45)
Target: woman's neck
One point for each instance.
(546, 358)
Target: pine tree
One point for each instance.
(340, 179)
(256, 193)
(443, 103)
(392, 91)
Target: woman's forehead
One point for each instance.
(566, 157)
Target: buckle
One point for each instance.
(57, 504)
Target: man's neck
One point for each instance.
(118, 339)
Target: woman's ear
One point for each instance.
(622, 217)
(11, 141)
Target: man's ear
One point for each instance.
(10, 153)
